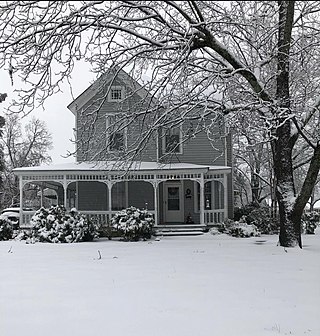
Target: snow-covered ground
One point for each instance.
(189, 286)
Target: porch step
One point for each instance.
(178, 234)
(179, 230)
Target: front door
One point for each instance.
(173, 203)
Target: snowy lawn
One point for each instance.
(178, 286)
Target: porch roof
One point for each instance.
(118, 166)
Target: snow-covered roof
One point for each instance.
(119, 166)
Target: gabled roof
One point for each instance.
(106, 79)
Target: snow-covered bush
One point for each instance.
(56, 225)
(6, 231)
(214, 231)
(310, 221)
(243, 230)
(133, 224)
(240, 228)
(262, 219)
(259, 216)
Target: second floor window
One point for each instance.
(116, 133)
(171, 141)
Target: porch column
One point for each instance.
(202, 199)
(77, 196)
(65, 187)
(109, 184)
(225, 187)
(155, 189)
(21, 200)
(41, 195)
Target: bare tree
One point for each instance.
(231, 58)
(252, 158)
(23, 147)
(2, 164)
(3, 96)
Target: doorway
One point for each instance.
(173, 204)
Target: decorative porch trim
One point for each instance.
(155, 176)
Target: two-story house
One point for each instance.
(131, 152)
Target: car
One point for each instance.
(12, 215)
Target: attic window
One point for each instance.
(116, 93)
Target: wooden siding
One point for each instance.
(91, 132)
(91, 137)
(189, 202)
(91, 127)
(199, 150)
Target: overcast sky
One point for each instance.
(59, 120)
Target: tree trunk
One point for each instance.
(283, 143)
(255, 188)
(285, 191)
(306, 191)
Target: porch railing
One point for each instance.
(102, 217)
(212, 217)
(26, 218)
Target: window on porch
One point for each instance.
(213, 196)
(91, 195)
(119, 200)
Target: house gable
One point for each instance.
(113, 77)
(97, 105)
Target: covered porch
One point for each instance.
(176, 194)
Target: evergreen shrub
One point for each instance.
(6, 230)
(133, 224)
(310, 221)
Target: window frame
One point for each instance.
(109, 133)
(164, 136)
(116, 87)
(217, 201)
